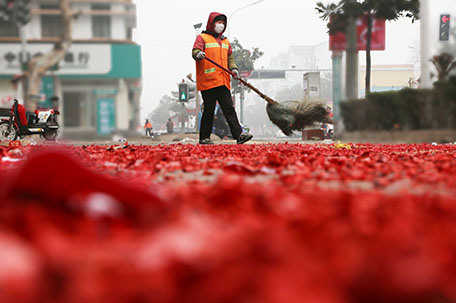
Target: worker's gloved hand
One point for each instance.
(201, 55)
(235, 73)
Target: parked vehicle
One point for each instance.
(328, 130)
(21, 123)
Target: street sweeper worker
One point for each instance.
(213, 82)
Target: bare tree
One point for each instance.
(38, 65)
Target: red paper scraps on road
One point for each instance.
(269, 223)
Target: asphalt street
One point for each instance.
(187, 140)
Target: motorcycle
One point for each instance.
(21, 123)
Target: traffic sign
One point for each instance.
(337, 42)
(246, 74)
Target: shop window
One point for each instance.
(51, 25)
(101, 7)
(8, 29)
(77, 109)
(129, 33)
(101, 24)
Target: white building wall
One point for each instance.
(118, 23)
(33, 29)
(82, 27)
(118, 28)
(323, 56)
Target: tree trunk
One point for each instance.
(38, 66)
(368, 52)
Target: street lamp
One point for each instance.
(197, 27)
(197, 95)
(241, 105)
(229, 19)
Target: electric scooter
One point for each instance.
(21, 123)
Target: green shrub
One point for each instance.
(354, 114)
(405, 109)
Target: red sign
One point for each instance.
(245, 74)
(337, 42)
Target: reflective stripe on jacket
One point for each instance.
(207, 74)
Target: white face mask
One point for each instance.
(219, 27)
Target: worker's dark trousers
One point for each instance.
(223, 96)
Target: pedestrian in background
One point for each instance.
(170, 126)
(148, 127)
(214, 83)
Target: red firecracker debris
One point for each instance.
(228, 223)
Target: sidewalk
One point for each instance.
(401, 136)
(379, 137)
(190, 138)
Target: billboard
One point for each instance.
(80, 58)
(337, 42)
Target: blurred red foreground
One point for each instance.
(228, 223)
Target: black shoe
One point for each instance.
(206, 141)
(244, 138)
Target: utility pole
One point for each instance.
(241, 97)
(425, 79)
(23, 46)
(352, 60)
(23, 60)
(197, 109)
(241, 105)
(183, 97)
(337, 87)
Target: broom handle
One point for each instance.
(268, 99)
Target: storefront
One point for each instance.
(99, 86)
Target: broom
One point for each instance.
(289, 115)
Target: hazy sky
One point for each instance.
(165, 31)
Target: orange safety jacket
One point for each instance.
(148, 125)
(207, 74)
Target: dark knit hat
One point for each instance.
(220, 17)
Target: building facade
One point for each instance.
(306, 57)
(388, 77)
(99, 79)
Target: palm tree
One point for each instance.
(444, 64)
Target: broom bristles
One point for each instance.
(292, 116)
